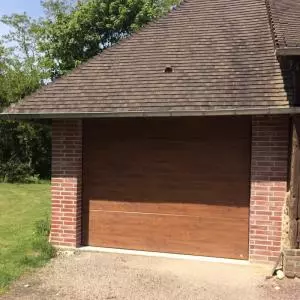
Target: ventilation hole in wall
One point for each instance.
(168, 69)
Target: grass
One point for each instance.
(24, 228)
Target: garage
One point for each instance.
(176, 185)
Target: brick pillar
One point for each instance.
(269, 167)
(66, 182)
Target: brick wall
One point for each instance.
(291, 263)
(66, 182)
(270, 139)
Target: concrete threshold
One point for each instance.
(164, 255)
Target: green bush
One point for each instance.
(41, 242)
(42, 249)
(15, 171)
(42, 228)
(25, 151)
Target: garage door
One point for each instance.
(178, 185)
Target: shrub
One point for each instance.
(41, 242)
(25, 151)
(42, 249)
(15, 171)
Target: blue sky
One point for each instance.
(7, 7)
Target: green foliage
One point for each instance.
(15, 171)
(42, 248)
(24, 146)
(24, 151)
(21, 72)
(22, 36)
(18, 79)
(42, 228)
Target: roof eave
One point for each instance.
(134, 114)
(288, 51)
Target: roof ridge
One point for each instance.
(272, 24)
(284, 18)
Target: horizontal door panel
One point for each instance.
(166, 233)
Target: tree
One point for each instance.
(17, 80)
(21, 69)
(3, 96)
(24, 146)
(21, 34)
(53, 8)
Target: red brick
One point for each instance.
(273, 218)
(66, 182)
(261, 222)
(268, 185)
(263, 213)
(261, 240)
(273, 248)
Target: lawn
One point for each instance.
(22, 206)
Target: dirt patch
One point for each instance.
(112, 276)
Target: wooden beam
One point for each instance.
(294, 201)
(288, 51)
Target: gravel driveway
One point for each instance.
(114, 276)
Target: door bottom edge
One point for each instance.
(163, 255)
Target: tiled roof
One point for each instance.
(285, 15)
(221, 54)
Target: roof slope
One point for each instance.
(285, 16)
(221, 52)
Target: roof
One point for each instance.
(221, 53)
(285, 17)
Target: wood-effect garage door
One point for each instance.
(178, 185)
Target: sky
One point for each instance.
(31, 7)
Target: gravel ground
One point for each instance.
(114, 276)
